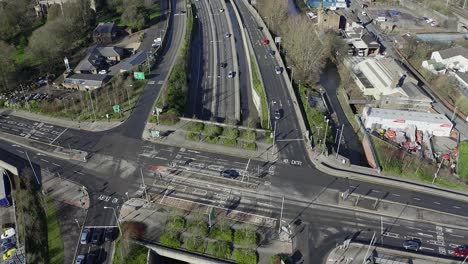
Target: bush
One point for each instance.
(170, 239)
(268, 137)
(229, 142)
(249, 135)
(198, 227)
(195, 244)
(276, 259)
(219, 249)
(169, 118)
(194, 127)
(231, 133)
(221, 231)
(212, 140)
(193, 136)
(249, 146)
(212, 130)
(176, 223)
(245, 236)
(244, 256)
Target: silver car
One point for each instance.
(412, 244)
(278, 69)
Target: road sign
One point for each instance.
(116, 108)
(155, 133)
(139, 75)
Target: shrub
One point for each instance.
(244, 256)
(194, 127)
(212, 140)
(221, 231)
(198, 227)
(176, 223)
(229, 142)
(212, 130)
(170, 239)
(169, 118)
(219, 249)
(245, 236)
(276, 259)
(249, 146)
(195, 243)
(231, 133)
(268, 137)
(248, 135)
(193, 136)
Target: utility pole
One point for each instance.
(144, 185)
(128, 96)
(368, 248)
(245, 171)
(27, 103)
(339, 142)
(454, 111)
(92, 105)
(32, 168)
(274, 139)
(281, 216)
(325, 136)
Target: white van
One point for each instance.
(381, 19)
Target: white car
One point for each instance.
(230, 74)
(278, 69)
(102, 72)
(364, 13)
(10, 232)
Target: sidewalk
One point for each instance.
(356, 253)
(174, 136)
(89, 126)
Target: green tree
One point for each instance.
(7, 64)
(135, 16)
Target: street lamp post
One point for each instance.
(325, 136)
(116, 218)
(339, 141)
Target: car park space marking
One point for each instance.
(388, 234)
(442, 251)
(437, 243)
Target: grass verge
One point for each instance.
(54, 236)
(463, 160)
(260, 91)
(127, 252)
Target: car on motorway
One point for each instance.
(461, 251)
(229, 173)
(265, 41)
(84, 239)
(278, 69)
(109, 234)
(223, 65)
(80, 259)
(102, 72)
(231, 74)
(97, 236)
(221, 10)
(228, 35)
(271, 52)
(412, 244)
(277, 114)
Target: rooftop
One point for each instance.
(455, 51)
(110, 51)
(86, 79)
(105, 27)
(408, 115)
(463, 76)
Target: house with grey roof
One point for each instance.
(111, 53)
(83, 82)
(96, 59)
(105, 32)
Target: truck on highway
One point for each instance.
(4, 201)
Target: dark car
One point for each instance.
(223, 65)
(461, 251)
(271, 52)
(109, 234)
(91, 259)
(97, 236)
(85, 236)
(6, 247)
(277, 114)
(412, 244)
(229, 173)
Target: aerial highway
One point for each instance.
(121, 163)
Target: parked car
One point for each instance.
(91, 258)
(228, 35)
(85, 236)
(364, 13)
(8, 254)
(97, 236)
(229, 173)
(412, 244)
(10, 232)
(6, 247)
(461, 251)
(80, 259)
(102, 72)
(271, 52)
(231, 74)
(278, 69)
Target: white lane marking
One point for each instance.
(59, 135)
(397, 195)
(375, 191)
(414, 228)
(426, 248)
(44, 160)
(20, 151)
(161, 158)
(423, 234)
(417, 199)
(456, 207)
(456, 235)
(388, 234)
(78, 172)
(437, 203)
(390, 224)
(454, 245)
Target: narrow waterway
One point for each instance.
(351, 146)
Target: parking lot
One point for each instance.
(402, 18)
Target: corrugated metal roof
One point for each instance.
(408, 115)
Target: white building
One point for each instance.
(435, 124)
(455, 59)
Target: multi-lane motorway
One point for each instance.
(121, 162)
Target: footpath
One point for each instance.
(356, 253)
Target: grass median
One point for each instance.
(54, 236)
(258, 87)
